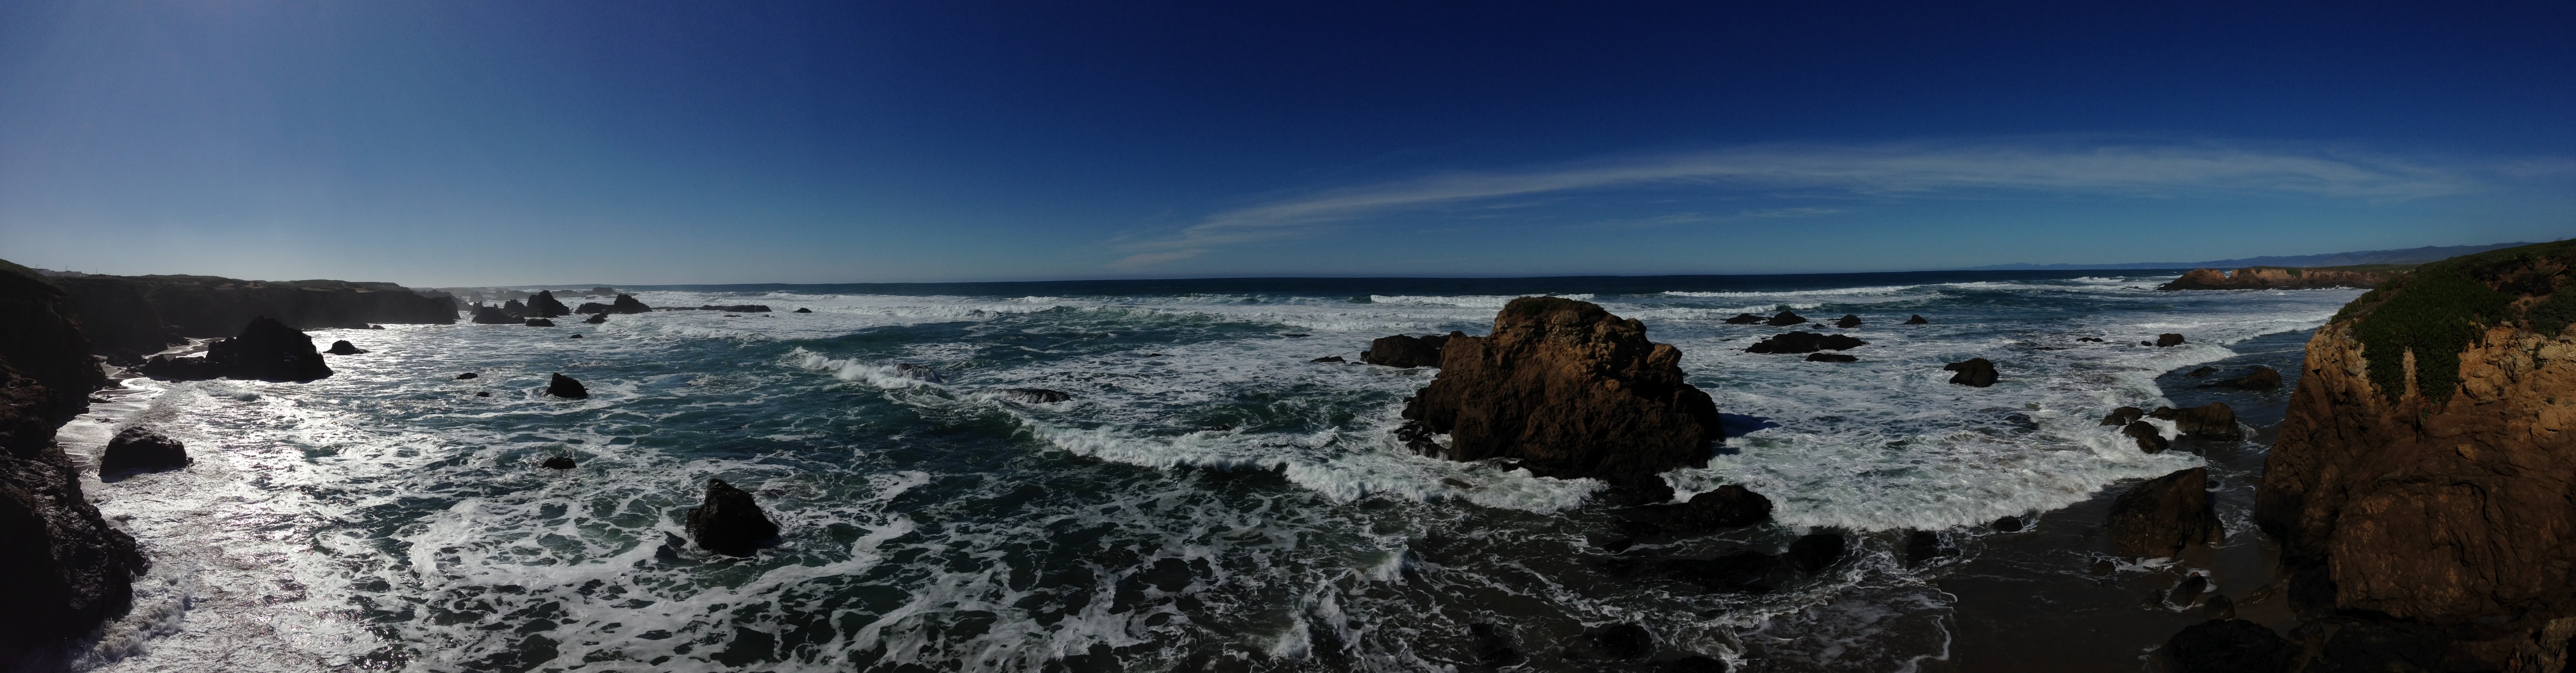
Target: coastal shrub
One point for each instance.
(2436, 314)
(2552, 316)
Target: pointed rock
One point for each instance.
(729, 522)
(567, 388)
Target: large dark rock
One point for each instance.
(2230, 646)
(544, 305)
(2168, 340)
(62, 569)
(626, 303)
(2161, 516)
(1978, 372)
(265, 351)
(2214, 420)
(1815, 552)
(2146, 436)
(729, 522)
(485, 314)
(1804, 342)
(2124, 416)
(2261, 378)
(128, 317)
(515, 309)
(567, 388)
(559, 462)
(1745, 319)
(141, 449)
(41, 335)
(540, 322)
(1405, 351)
(1925, 546)
(343, 347)
(2389, 645)
(1848, 321)
(1785, 319)
(596, 318)
(1569, 391)
(1831, 357)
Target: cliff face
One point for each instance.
(2281, 278)
(130, 316)
(62, 568)
(2427, 467)
(1571, 391)
(40, 334)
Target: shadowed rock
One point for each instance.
(62, 568)
(729, 522)
(544, 305)
(1831, 357)
(2262, 378)
(540, 322)
(2204, 371)
(265, 351)
(567, 388)
(1815, 552)
(1917, 320)
(1804, 342)
(1785, 319)
(1848, 321)
(1329, 358)
(2229, 646)
(2146, 436)
(1978, 372)
(2009, 524)
(514, 309)
(492, 315)
(343, 347)
(468, 375)
(1925, 546)
(559, 462)
(1729, 506)
(596, 318)
(2208, 421)
(2168, 340)
(2161, 516)
(1745, 319)
(2187, 592)
(1405, 351)
(802, 310)
(1570, 391)
(140, 449)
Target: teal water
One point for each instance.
(1207, 500)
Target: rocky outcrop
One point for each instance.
(2214, 420)
(1405, 351)
(41, 335)
(128, 317)
(728, 522)
(141, 449)
(1745, 319)
(1976, 372)
(1729, 506)
(2162, 516)
(265, 350)
(1917, 320)
(2261, 378)
(1785, 319)
(343, 347)
(801, 309)
(1569, 390)
(2146, 436)
(544, 305)
(514, 309)
(1848, 321)
(2427, 463)
(485, 314)
(2166, 340)
(567, 388)
(2282, 278)
(62, 568)
(1804, 342)
(628, 304)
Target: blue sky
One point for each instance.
(454, 143)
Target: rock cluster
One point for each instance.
(266, 350)
(1569, 390)
(626, 303)
(729, 522)
(1804, 342)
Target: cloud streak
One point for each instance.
(1886, 171)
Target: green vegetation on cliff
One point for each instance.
(2440, 309)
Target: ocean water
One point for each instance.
(1207, 500)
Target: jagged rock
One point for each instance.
(2209, 421)
(1035, 395)
(1831, 357)
(343, 347)
(1745, 319)
(1917, 320)
(540, 322)
(1804, 342)
(265, 351)
(559, 462)
(2280, 278)
(1329, 358)
(628, 304)
(729, 522)
(2262, 378)
(2392, 645)
(2124, 416)
(2161, 516)
(1925, 546)
(596, 318)
(567, 388)
(492, 315)
(514, 309)
(2230, 646)
(62, 568)
(468, 375)
(1570, 391)
(1848, 321)
(1785, 319)
(2147, 437)
(1419, 439)
(1405, 351)
(590, 308)
(140, 449)
(1815, 552)
(2168, 340)
(544, 305)
(1616, 642)
(803, 310)
(917, 372)
(1978, 372)
(2426, 462)
(2009, 524)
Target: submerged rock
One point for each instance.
(343, 347)
(1848, 321)
(729, 522)
(544, 305)
(596, 318)
(1831, 357)
(2187, 592)
(1745, 319)
(2161, 516)
(1405, 351)
(1815, 552)
(2229, 646)
(559, 462)
(1978, 372)
(2124, 416)
(917, 372)
(540, 322)
(2204, 371)
(1729, 506)
(1571, 391)
(2261, 378)
(1785, 319)
(2208, 421)
(1917, 320)
(141, 449)
(1804, 342)
(468, 375)
(801, 309)
(1034, 395)
(1329, 358)
(2009, 524)
(567, 388)
(1925, 546)
(265, 351)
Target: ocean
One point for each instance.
(1208, 499)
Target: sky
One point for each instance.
(462, 142)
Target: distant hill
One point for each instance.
(2406, 256)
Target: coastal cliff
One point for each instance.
(40, 334)
(131, 316)
(2284, 278)
(63, 567)
(2426, 470)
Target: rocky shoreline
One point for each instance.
(2285, 278)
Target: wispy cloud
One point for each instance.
(1886, 171)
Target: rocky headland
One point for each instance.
(2284, 278)
(129, 317)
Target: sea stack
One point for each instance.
(567, 388)
(265, 351)
(626, 303)
(2428, 457)
(1570, 391)
(544, 305)
(729, 522)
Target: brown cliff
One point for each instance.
(127, 317)
(1570, 391)
(2426, 470)
(2284, 278)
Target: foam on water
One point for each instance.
(1206, 495)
